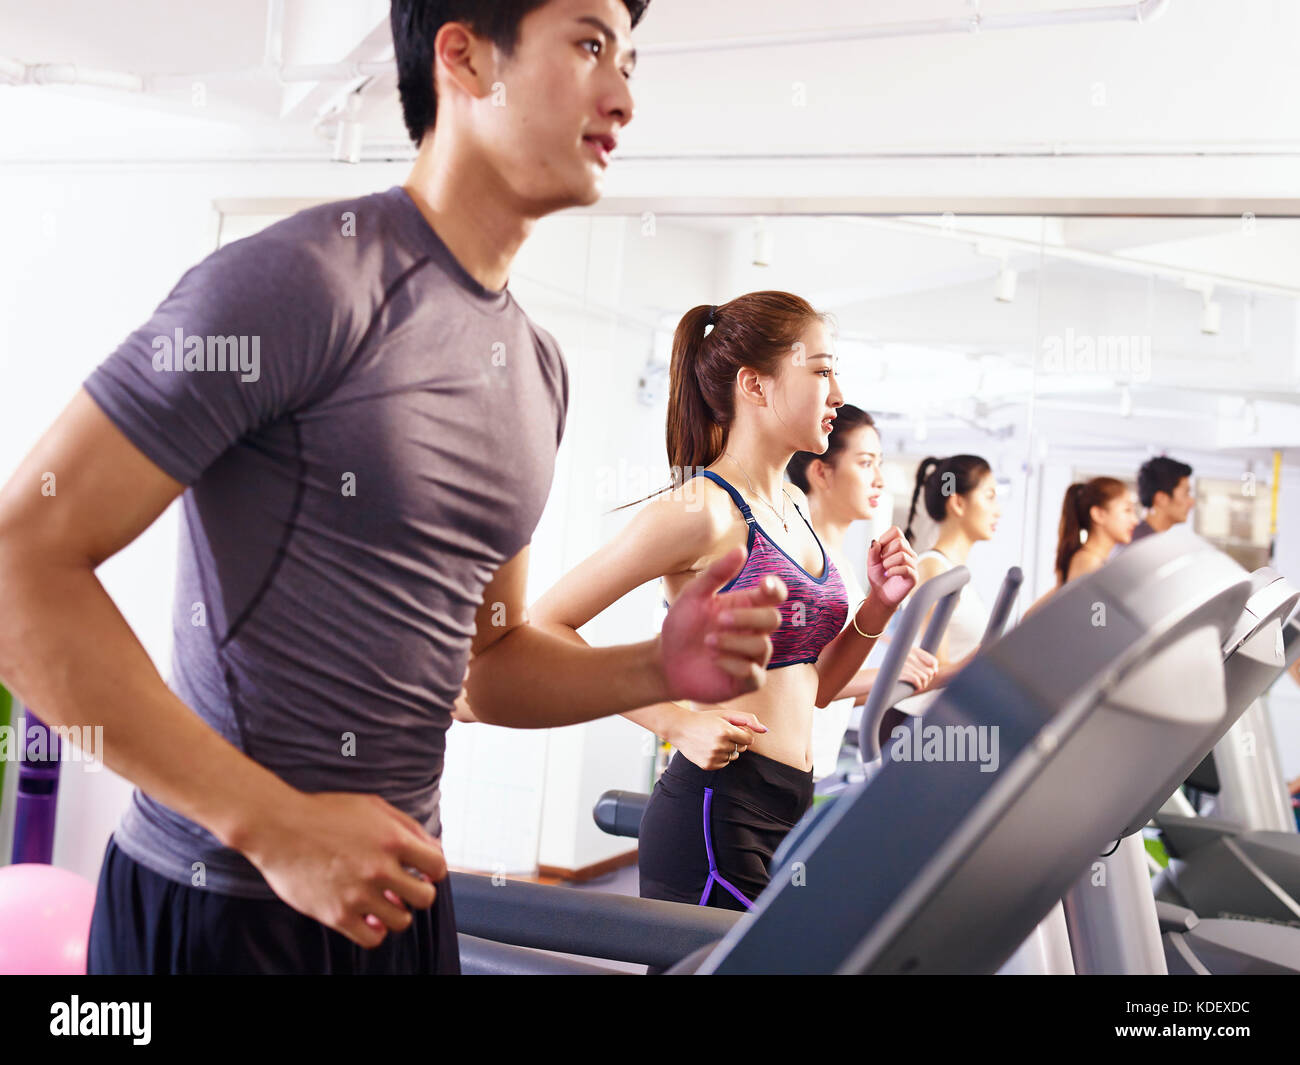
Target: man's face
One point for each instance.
(1180, 503)
(562, 99)
(1175, 506)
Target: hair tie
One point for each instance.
(708, 326)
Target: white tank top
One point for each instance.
(969, 620)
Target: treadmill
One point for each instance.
(619, 813)
(947, 864)
(1218, 867)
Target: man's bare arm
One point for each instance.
(81, 495)
(525, 677)
(712, 648)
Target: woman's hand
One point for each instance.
(919, 669)
(714, 646)
(891, 568)
(713, 739)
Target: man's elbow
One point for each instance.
(492, 701)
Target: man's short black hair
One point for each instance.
(1160, 474)
(415, 23)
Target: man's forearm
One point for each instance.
(68, 653)
(535, 678)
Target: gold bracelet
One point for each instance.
(867, 635)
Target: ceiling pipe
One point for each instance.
(15, 72)
(273, 51)
(1098, 259)
(1144, 12)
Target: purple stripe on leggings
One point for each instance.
(713, 865)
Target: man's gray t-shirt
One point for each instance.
(1142, 530)
(351, 490)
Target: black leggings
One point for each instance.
(708, 836)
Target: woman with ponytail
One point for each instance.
(844, 485)
(1095, 516)
(751, 383)
(960, 495)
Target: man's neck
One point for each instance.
(469, 210)
(1159, 521)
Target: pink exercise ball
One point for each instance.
(44, 920)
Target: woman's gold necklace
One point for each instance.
(779, 513)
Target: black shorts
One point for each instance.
(708, 836)
(145, 923)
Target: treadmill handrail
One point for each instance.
(1002, 605)
(942, 593)
(592, 924)
(1291, 640)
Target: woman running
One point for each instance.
(751, 382)
(843, 485)
(1095, 516)
(960, 494)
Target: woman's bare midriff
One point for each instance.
(785, 704)
(787, 700)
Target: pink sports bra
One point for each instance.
(815, 609)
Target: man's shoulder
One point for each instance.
(320, 239)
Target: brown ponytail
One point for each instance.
(695, 434)
(1076, 517)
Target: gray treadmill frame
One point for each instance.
(953, 868)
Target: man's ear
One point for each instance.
(464, 61)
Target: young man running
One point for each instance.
(350, 536)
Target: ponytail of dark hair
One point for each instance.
(1076, 517)
(922, 472)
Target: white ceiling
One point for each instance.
(1207, 77)
(1205, 72)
